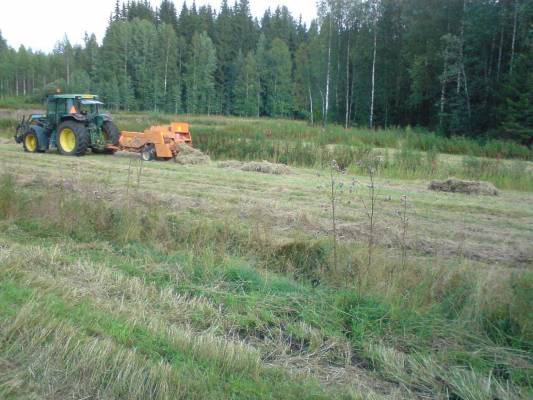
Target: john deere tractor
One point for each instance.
(72, 124)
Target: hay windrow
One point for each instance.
(455, 185)
(190, 155)
(264, 167)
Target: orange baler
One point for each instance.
(158, 141)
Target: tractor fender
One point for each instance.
(42, 137)
(75, 117)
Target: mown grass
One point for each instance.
(401, 153)
(405, 154)
(436, 332)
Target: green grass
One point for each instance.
(218, 378)
(404, 154)
(401, 153)
(19, 103)
(207, 282)
(156, 290)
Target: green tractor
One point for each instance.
(72, 124)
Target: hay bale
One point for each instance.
(455, 185)
(190, 155)
(264, 167)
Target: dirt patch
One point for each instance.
(264, 167)
(5, 141)
(455, 185)
(190, 155)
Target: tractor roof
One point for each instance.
(74, 96)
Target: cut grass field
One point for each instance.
(402, 153)
(156, 280)
(196, 282)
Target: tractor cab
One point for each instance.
(79, 106)
(88, 106)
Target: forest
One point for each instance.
(456, 67)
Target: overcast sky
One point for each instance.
(40, 24)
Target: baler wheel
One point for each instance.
(148, 153)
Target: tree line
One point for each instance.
(461, 67)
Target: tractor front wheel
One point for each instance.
(72, 139)
(30, 141)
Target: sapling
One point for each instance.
(370, 211)
(369, 207)
(334, 185)
(404, 221)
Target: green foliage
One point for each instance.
(305, 259)
(462, 68)
(247, 87)
(517, 108)
(278, 80)
(244, 279)
(200, 80)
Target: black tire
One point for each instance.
(96, 150)
(72, 138)
(102, 151)
(30, 142)
(111, 132)
(148, 153)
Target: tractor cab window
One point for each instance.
(61, 106)
(71, 106)
(86, 108)
(50, 108)
(54, 109)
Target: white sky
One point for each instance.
(39, 24)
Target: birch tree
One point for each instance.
(200, 79)
(373, 16)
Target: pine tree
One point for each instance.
(167, 46)
(227, 51)
(516, 111)
(302, 87)
(167, 14)
(200, 79)
(80, 82)
(262, 68)
(247, 86)
(279, 64)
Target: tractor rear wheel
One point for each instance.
(111, 132)
(72, 138)
(30, 141)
